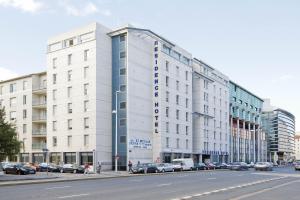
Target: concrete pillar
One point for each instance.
(258, 144)
(254, 143)
(238, 137)
(231, 139)
(244, 141)
(249, 139)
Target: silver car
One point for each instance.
(297, 166)
(263, 166)
(165, 167)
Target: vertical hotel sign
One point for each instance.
(156, 89)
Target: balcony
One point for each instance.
(39, 119)
(40, 89)
(39, 133)
(38, 146)
(39, 104)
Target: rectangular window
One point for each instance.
(24, 128)
(86, 123)
(25, 85)
(86, 106)
(54, 63)
(177, 85)
(177, 143)
(167, 96)
(167, 142)
(54, 78)
(123, 139)
(13, 115)
(122, 105)
(177, 71)
(70, 124)
(54, 110)
(186, 102)
(86, 54)
(54, 125)
(167, 81)
(122, 88)
(167, 111)
(69, 59)
(177, 128)
(122, 38)
(167, 127)
(167, 66)
(177, 114)
(85, 88)
(1, 90)
(69, 92)
(70, 108)
(69, 140)
(12, 101)
(54, 94)
(123, 122)
(12, 87)
(186, 75)
(24, 99)
(54, 141)
(123, 71)
(177, 99)
(85, 72)
(186, 89)
(86, 140)
(24, 114)
(186, 130)
(69, 75)
(187, 144)
(122, 54)
(187, 116)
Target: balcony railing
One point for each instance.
(39, 146)
(39, 132)
(39, 103)
(39, 118)
(39, 87)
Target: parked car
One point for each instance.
(210, 166)
(50, 167)
(20, 169)
(165, 167)
(145, 167)
(239, 166)
(221, 166)
(4, 165)
(1, 169)
(251, 165)
(263, 166)
(200, 166)
(72, 168)
(297, 166)
(182, 164)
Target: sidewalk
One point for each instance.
(42, 177)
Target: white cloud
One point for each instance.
(6, 74)
(284, 78)
(31, 6)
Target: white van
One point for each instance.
(181, 164)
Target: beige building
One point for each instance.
(297, 146)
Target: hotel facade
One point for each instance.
(130, 95)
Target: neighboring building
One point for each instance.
(211, 113)
(297, 146)
(247, 141)
(25, 100)
(279, 125)
(154, 77)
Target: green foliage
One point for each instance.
(9, 144)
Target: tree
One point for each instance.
(9, 144)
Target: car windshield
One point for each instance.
(176, 162)
(261, 163)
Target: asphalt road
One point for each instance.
(282, 183)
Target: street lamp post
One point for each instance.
(116, 130)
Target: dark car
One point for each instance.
(221, 165)
(72, 168)
(44, 167)
(145, 167)
(200, 166)
(19, 169)
(210, 166)
(239, 166)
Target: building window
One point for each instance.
(86, 140)
(123, 139)
(177, 71)
(24, 99)
(69, 92)
(177, 99)
(186, 75)
(54, 78)
(122, 38)
(12, 87)
(177, 114)
(13, 115)
(122, 105)
(187, 116)
(69, 75)
(177, 128)
(54, 110)
(1, 90)
(177, 85)
(186, 130)
(123, 71)
(177, 143)
(86, 106)
(54, 63)
(69, 140)
(85, 88)
(123, 122)
(186, 102)
(86, 54)
(54, 141)
(122, 88)
(85, 72)
(186, 89)
(12, 101)
(70, 124)
(167, 142)
(24, 114)
(167, 96)
(70, 108)
(54, 94)
(54, 126)
(24, 128)
(69, 59)
(25, 85)
(167, 66)
(167, 127)
(122, 54)
(86, 123)
(167, 81)
(187, 144)
(167, 111)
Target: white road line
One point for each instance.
(164, 184)
(52, 188)
(230, 188)
(71, 196)
(211, 178)
(264, 190)
(136, 180)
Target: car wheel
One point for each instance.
(163, 171)
(173, 170)
(156, 171)
(61, 171)
(75, 171)
(181, 169)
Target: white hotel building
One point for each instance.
(169, 105)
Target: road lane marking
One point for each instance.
(52, 188)
(229, 188)
(164, 184)
(264, 190)
(211, 178)
(71, 196)
(136, 180)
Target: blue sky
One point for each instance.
(255, 42)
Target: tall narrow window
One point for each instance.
(186, 75)
(54, 78)
(85, 88)
(24, 99)
(86, 54)
(24, 114)
(69, 75)
(177, 143)
(86, 72)
(167, 142)
(54, 110)
(167, 66)
(177, 99)
(177, 128)
(70, 108)
(177, 85)
(177, 114)
(167, 127)
(86, 140)
(167, 96)
(70, 124)
(86, 105)
(24, 128)
(54, 94)
(167, 111)
(54, 63)
(69, 92)
(69, 59)
(167, 81)
(25, 85)
(54, 125)
(69, 140)
(86, 123)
